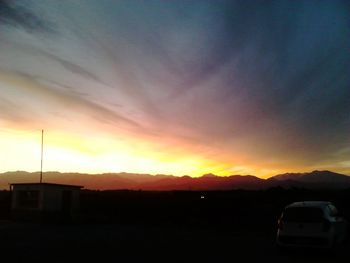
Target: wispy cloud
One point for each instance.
(265, 80)
(17, 14)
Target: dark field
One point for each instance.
(136, 225)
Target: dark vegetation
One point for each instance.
(241, 209)
(211, 225)
(5, 202)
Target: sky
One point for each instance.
(175, 87)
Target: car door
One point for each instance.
(339, 223)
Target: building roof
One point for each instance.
(48, 185)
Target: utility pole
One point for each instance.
(42, 151)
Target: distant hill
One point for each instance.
(90, 181)
(206, 183)
(315, 177)
(161, 182)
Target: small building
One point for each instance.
(44, 201)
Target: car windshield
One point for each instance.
(303, 214)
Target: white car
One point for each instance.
(311, 224)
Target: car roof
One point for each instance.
(319, 204)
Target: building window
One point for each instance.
(28, 199)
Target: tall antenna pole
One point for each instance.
(42, 151)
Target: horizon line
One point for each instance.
(88, 173)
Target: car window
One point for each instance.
(303, 214)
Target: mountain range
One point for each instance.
(161, 182)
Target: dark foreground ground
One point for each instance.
(125, 226)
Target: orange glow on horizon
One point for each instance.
(86, 152)
(93, 154)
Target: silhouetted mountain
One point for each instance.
(315, 177)
(160, 182)
(207, 182)
(90, 181)
(209, 175)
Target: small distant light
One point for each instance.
(202, 196)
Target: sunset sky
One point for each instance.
(175, 87)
